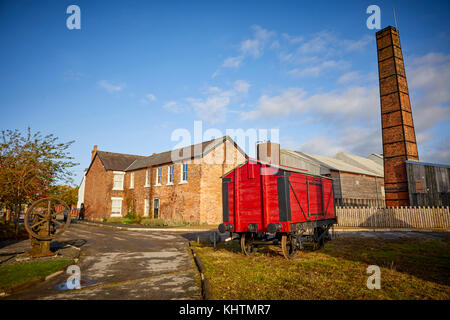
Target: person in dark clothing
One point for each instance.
(81, 214)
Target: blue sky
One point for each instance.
(138, 70)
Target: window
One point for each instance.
(156, 208)
(184, 168)
(147, 178)
(132, 180)
(146, 207)
(116, 207)
(170, 175)
(118, 180)
(158, 176)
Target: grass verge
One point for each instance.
(410, 269)
(13, 275)
(158, 223)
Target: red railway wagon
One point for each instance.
(267, 204)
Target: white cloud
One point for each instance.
(148, 98)
(352, 103)
(429, 86)
(358, 140)
(111, 88)
(213, 108)
(349, 77)
(315, 70)
(252, 47)
(292, 39)
(173, 106)
(233, 62)
(437, 151)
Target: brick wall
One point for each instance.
(214, 165)
(97, 198)
(179, 201)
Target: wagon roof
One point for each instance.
(281, 167)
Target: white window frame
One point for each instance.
(182, 180)
(132, 180)
(147, 178)
(146, 207)
(159, 208)
(170, 175)
(115, 214)
(158, 176)
(118, 174)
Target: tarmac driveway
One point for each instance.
(119, 264)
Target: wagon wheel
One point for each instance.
(47, 218)
(318, 244)
(247, 245)
(289, 246)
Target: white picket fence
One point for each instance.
(394, 217)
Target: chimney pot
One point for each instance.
(94, 151)
(268, 152)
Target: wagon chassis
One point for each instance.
(290, 242)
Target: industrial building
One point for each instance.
(357, 181)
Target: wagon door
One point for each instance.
(315, 197)
(328, 199)
(228, 199)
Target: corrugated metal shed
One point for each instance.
(360, 162)
(294, 159)
(428, 183)
(378, 158)
(339, 165)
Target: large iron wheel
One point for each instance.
(289, 246)
(247, 246)
(47, 218)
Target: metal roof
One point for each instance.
(361, 162)
(428, 164)
(340, 165)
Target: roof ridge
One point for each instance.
(120, 154)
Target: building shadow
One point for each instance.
(383, 219)
(56, 245)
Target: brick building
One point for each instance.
(188, 189)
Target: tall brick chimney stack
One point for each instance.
(94, 151)
(399, 138)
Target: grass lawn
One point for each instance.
(410, 269)
(11, 275)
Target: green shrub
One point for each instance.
(153, 222)
(114, 219)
